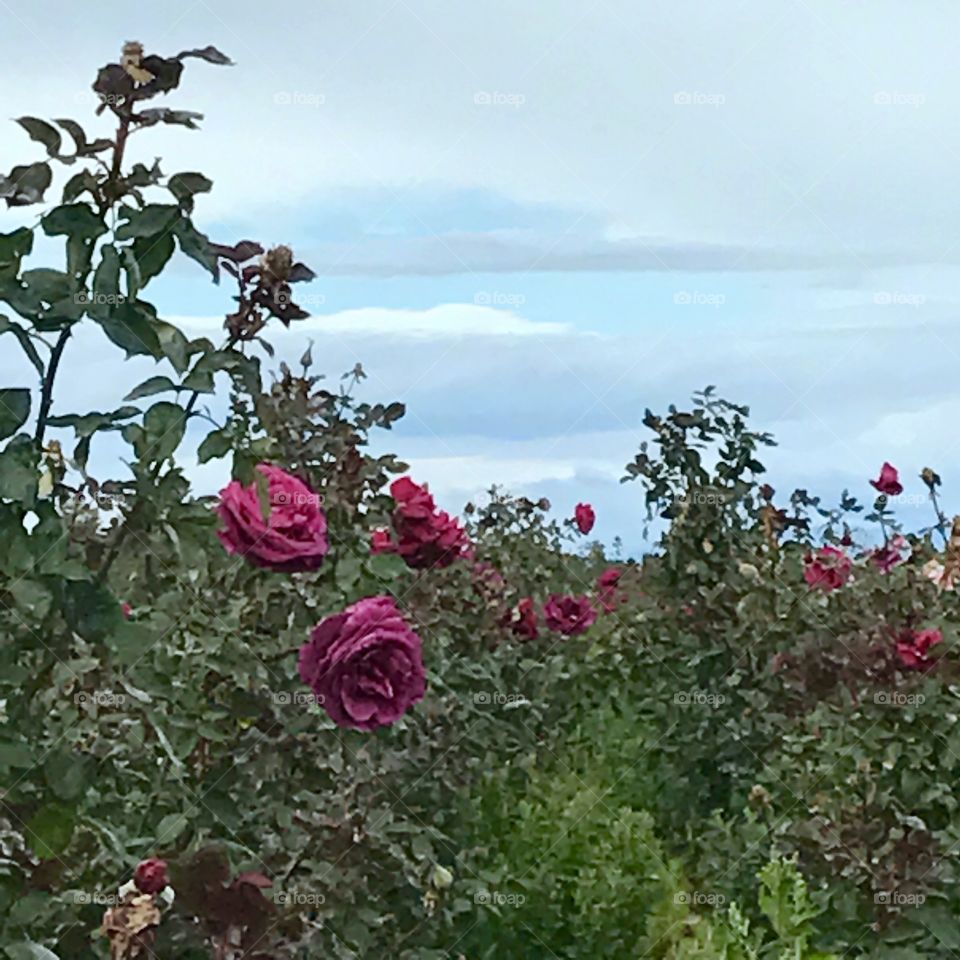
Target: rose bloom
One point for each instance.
(381, 542)
(913, 647)
(608, 596)
(945, 578)
(523, 620)
(365, 664)
(568, 615)
(426, 536)
(151, 875)
(887, 557)
(293, 539)
(584, 517)
(827, 570)
(888, 482)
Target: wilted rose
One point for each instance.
(151, 875)
(827, 570)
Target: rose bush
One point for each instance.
(320, 716)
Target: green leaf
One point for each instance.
(28, 950)
(42, 132)
(154, 218)
(184, 186)
(131, 326)
(16, 754)
(26, 343)
(87, 424)
(170, 827)
(26, 184)
(19, 474)
(106, 284)
(67, 773)
(14, 247)
(196, 245)
(152, 254)
(50, 830)
(150, 387)
(90, 610)
(164, 425)
(216, 444)
(14, 410)
(73, 220)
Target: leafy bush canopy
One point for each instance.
(318, 715)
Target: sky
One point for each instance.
(531, 221)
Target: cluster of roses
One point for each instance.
(565, 614)
(425, 536)
(830, 568)
(365, 664)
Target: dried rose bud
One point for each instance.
(151, 875)
(277, 263)
(930, 477)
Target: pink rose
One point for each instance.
(381, 542)
(888, 482)
(887, 557)
(584, 517)
(295, 536)
(523, 620)
(364, 664)
(567, 614)
(426, 536)
(828, 570)
(913, 646)
(151, 875)
(126, 610)
(608, 596)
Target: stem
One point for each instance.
(46, 392)
(941, 519)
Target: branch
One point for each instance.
(46, 393)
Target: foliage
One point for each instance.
(741, 757)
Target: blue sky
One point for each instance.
(532, 221)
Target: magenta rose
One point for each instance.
(887, 557)
(913, 647)
(584, 517)
(523, 620)
(567, 614)
(151, 875)
(608, 593)
(295, 536)
(365, 665)
(827, 570)
(888, 482)
(425, 536)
